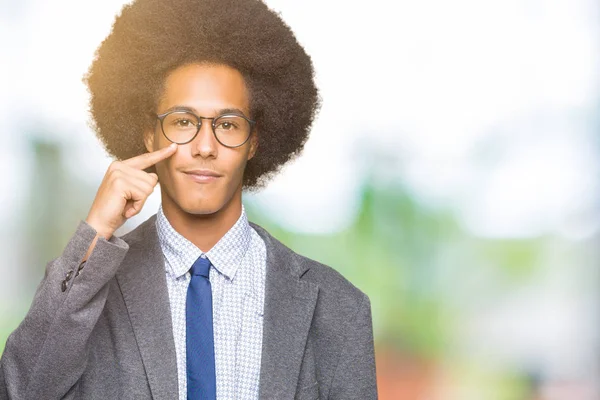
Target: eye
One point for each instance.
(229, 123)
(182, 123)
(226, 125)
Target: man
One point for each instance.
(206, 97)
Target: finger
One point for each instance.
(135, 199)
(133, 208)
(133, 189)
(146, 160)
(123, 178)
(143, 183)
(128, 171)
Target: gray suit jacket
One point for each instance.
(108, 335)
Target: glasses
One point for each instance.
(181, 127)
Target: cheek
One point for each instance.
(163, 174)
(160, 141)
(164, 168)
(239, 161)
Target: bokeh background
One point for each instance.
(452, 175)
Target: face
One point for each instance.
(203, 176)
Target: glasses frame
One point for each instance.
(161, 118)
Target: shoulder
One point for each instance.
(332, 285)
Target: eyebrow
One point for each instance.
(193, 111)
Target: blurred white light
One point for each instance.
(425, 79)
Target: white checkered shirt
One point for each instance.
(237, 279)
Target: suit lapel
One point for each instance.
(289, 308)
(288, 312)
(143, 284)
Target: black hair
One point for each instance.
(150, 38)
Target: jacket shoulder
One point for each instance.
(330, 282)
(329, 279)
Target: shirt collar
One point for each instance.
(226, 256)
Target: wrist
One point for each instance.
(101, 231)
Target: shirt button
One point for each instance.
(68, 276)
(64, 286)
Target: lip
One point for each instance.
(202, 175)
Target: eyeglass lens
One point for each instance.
(230, 130)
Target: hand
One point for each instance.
(124, 190)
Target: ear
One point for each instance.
(149, 141)
(253, 144)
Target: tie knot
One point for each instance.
(201, 267)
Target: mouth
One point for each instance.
(202, 175)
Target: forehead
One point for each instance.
(205, 88)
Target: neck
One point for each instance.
(203, 230)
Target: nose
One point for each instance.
(205, 144)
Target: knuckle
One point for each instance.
(115, 177)
(115, 174)
(151, 183)
(114, 166)
(141, 192)
(119, 181)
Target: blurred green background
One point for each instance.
(452, 175)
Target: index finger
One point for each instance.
(146, 160)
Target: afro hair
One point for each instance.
(150, 38)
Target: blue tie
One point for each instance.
(200, 349)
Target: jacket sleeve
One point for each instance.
(46, 355)
(355, 377)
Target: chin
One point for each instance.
(200, 208)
